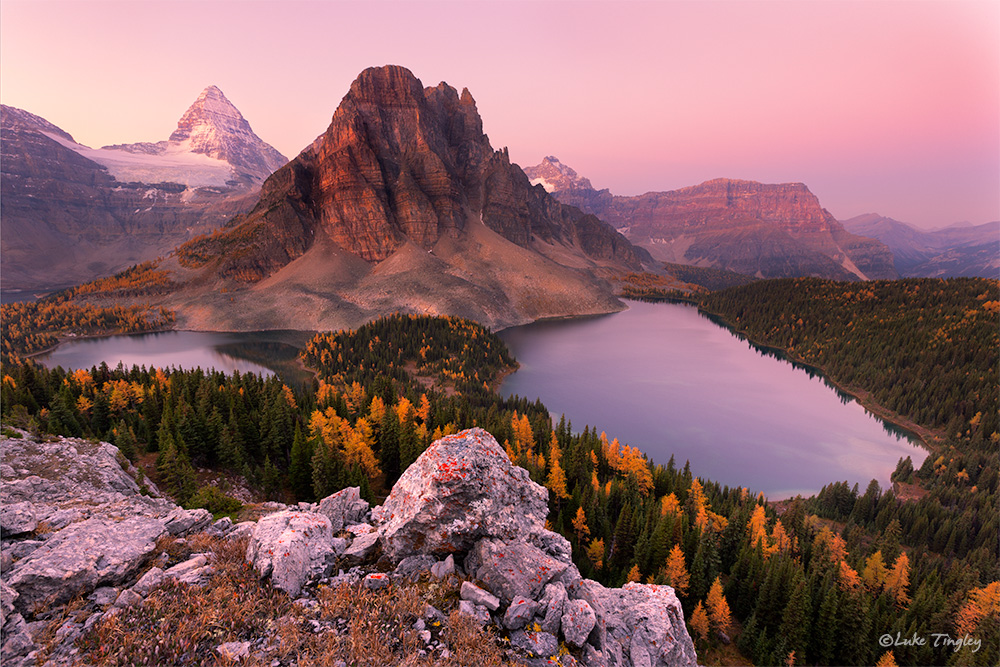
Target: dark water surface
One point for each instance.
(672, 382)
(261, 352)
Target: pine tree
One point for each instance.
(300, 470)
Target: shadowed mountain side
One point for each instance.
(480, 276)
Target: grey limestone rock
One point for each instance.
(345, 507)
(148, 581)
(361, 549)
(17, 519)
(519, 613)
(104, 595)
(639, 624)
(234, 651)
(411, 567)
(83, 556)
(512, 568)
(477, 595)
(128, 598)
(290, 547)
(194, 571)
(444, 568)
(476, 611)
(183, 522)
(535, 644)
(461, 489)
(551, 607)
(375, 581)
(578, 620)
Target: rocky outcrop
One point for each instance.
(766, 230)
(459, 491)
(83, 556)
(513, 573)
(291, 547)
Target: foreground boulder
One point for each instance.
(82, 556)
(291, 547)
(639, 624)
(344, 508)
(462, 489)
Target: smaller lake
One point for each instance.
(666, 379)
(260, 352)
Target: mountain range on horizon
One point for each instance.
(957, 250)
(758, 229)
(70, 213)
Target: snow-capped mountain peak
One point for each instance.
(555, 176)
(213, 127)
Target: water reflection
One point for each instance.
(669, 380)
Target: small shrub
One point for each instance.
(215, 501)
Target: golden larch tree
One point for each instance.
(718, 608)
(874, 574)
(634, 575)
(887, 660)
(556, 481)
(699, 621)
(675, 572)
(898, 579)
(580, 526)
(983, 603)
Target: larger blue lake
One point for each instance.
(667, 379)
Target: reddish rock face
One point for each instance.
(770, 230)
(403, 163)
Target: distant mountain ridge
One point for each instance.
(959, 250)
(70, 213)
(401, 205)
(765, 230)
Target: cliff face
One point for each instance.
(768, 230)
(403, 199)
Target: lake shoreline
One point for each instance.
(928, 438)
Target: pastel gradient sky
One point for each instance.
(888, 107)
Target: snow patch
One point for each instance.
(175, 164)
(549, 187)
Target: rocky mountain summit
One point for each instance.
(70, 213)
(555, 176)
(759, 229)
(401, 204)
(462, 516)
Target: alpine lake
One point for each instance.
(661, 377)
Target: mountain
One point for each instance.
(70, 213)
(212, 127)
(766, 230)
(959, 250)
(555, 176)
(402, 204)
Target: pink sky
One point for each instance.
(888, 107)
